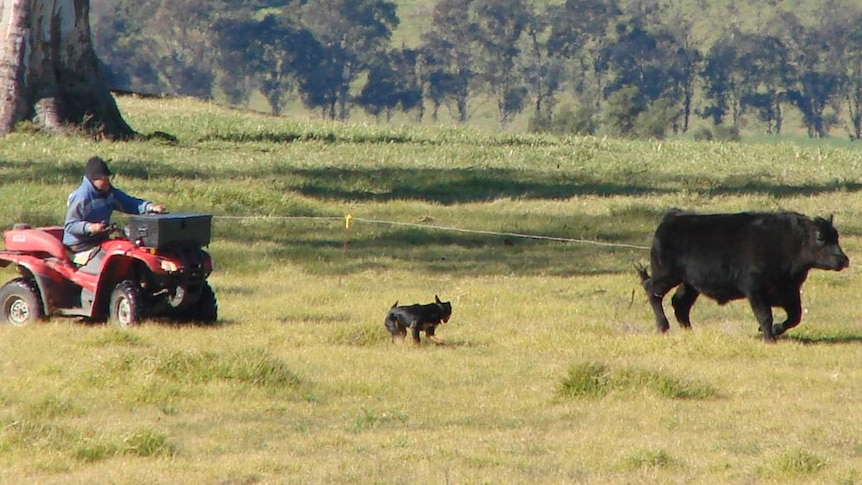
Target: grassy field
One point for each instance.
(551, 371)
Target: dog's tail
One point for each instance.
(391, 322)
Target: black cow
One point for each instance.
(763, 257)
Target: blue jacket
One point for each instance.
(86, 205)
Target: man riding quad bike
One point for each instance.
(156, 269)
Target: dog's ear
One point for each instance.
(437, 299)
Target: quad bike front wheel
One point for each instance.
(127, 306)
(19, 303)
(204, 310)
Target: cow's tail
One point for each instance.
(642, 272)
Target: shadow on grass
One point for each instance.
(443, 185)
(72, 173)
(451, 186)
(370, 138)
(445, 343)
(31, 171)
(454, 186)
(825, 339)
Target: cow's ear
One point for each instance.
(830, 219)
(437, 299)
(819, 237)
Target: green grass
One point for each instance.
(551, 371)
(597, 380)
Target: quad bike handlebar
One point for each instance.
(111, 227)
(108, 227)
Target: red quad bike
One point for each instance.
(156, 268)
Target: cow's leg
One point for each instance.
(763, 313)
(661, 322)
(656, 290)
(682, 300)
(793, 307)
(656, 287)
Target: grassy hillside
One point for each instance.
(551, 371)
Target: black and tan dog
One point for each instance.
(417, 318)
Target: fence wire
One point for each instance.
(349, 219)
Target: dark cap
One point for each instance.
(96, 168)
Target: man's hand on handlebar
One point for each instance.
(157, 209)
(94, 228)
(97, 227)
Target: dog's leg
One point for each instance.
(429, 333)
(414, 329)
(400, 336)
(400, 333)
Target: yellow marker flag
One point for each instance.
(347, 219)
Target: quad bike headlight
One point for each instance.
(168, 266)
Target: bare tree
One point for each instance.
(49, 72)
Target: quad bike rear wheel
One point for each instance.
(19, 303)
(127, 306)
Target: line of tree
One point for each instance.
(628, 67)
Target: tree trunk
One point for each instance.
(49, 72)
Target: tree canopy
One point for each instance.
(614, 59)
